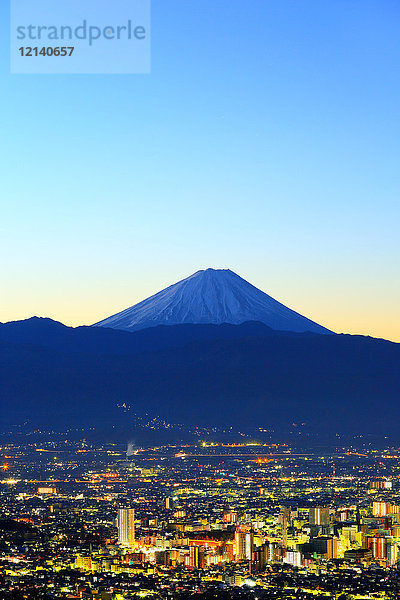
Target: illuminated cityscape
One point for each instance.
(217, 519)
(200, 291)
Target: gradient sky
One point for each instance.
(266, 140)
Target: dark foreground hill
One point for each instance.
(240, 375)
(101, 340)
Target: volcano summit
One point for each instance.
(212, 296)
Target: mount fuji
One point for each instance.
(211, 296)
(211, 350)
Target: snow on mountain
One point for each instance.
(211, 296)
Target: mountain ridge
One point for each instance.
(229, 374)
(42, 331)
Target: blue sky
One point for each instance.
(266, 139)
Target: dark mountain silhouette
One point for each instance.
(54, 376)
(52, 334)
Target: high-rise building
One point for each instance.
(196, 557)
(382, 484)
(126, 527)
(319, 515)
(378, 545)
(244, 542)
(344, 514)
(275, 552)
(284, 516)
(381, 509)
(169, 503)
(229, 517)
(332, 548)
(293, 557)
(260, 557)
(284, 520)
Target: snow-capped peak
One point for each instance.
(210, 296)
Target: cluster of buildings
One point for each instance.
(80, 521)
(297, 537)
